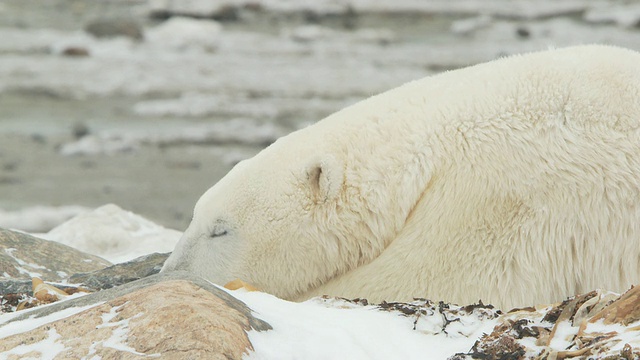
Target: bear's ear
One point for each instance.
(324, 177)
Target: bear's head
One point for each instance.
(315, 204)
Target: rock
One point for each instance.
(217, 10)
(109, 28)
(80, 130)
(41, 294)
(625, 310)
(23, 256)
(596, 324)
(115, 234)
(75, 51)
(14, 286)
(523, 32)
(173, 316)
(121, 273)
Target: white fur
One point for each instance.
(515, 182)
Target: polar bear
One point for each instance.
(515, 181)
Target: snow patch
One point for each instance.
(22, 263)
(314, 330)
(48, 348)
(18, 327)
(118, 338)
(627, 16)
(114, 234)
(185, 34)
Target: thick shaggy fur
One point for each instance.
(515, 182)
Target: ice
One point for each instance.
(184, 34)
(470, 25)
(114, 234)
(236, 131)
(40, 218)
(625, 15)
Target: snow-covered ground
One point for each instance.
(334, 329)
(315, 329)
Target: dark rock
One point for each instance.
(121, 273)
(523, 32)
(108, 28)
(11, 166)
(215, 10)
(14, 286)
(75, 51)
(80, 129)
(23, 256)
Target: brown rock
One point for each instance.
(23, 256)
(625, 310)
(163, 316)
(75, 51)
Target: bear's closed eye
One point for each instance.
(218, 233)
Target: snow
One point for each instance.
(18, 327)
(48, 348)
(21, 269)
(38, 219)
(563, 336)
(114, 234)
(317, 330)
(184, 34)
(627, 15)
(118, 337)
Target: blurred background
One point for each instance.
(146, 104)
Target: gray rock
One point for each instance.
(109, 28)
(12, 286)
(217, 10)
(23, 256)
(121, 273)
